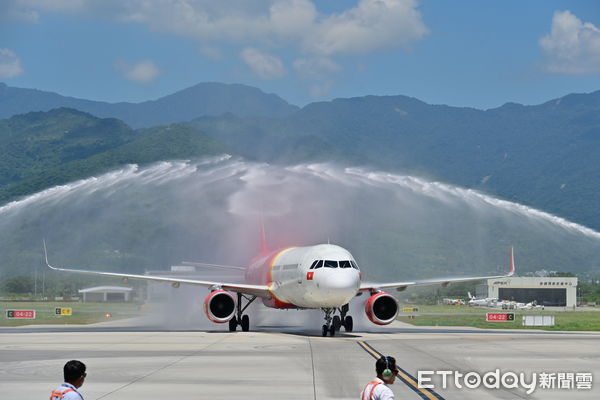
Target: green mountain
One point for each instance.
(545, 156)
(44, 149)
(200, 100)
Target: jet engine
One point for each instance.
(381, 308)
(219, 306)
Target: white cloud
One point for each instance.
(265, 29)
(264, 65)
(211, 52)
(54, 5)
(13, 10)
(319, 90)
(318, 71)
(292, 18)
(141, 72)
(372, 25)
(236, 21)
(29, 10)
(316, 67)
(10, 65)
(572, 47)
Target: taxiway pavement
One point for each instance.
(129, 363)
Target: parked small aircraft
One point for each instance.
(483, 302)
(529, 306)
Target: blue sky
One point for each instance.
(463, 53)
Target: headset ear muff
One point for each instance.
(387, 372)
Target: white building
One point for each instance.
(106, 293)
(554, 291)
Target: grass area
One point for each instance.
(444, 309)
(83, 313)
(564, 320)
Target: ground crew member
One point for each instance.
(74, 373)
(378, 388)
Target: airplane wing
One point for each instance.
(400, 286)
(253, 290)
(207, 265)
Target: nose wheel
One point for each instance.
(328, 329)
(333, 323)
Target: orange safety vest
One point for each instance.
(58, 395)
(373, 385)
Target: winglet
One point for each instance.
(46, 255)
(511, 270)
(45, 251)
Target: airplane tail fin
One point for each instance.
(470, 296)
(264, 249)
(511, 270)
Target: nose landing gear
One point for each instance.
(333, 323)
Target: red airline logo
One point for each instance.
(309, 275)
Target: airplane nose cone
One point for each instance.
(337, 287)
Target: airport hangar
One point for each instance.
(547, 291)
(107, 293)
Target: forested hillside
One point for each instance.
(544, 156)
(200, 100)
(44, 149)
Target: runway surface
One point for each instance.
(283, 363)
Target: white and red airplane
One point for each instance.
(323, 276)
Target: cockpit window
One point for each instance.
(333, 264)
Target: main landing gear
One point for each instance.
(239, 319)
(333, 323)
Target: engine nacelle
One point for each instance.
(381, 308)
(219, 306)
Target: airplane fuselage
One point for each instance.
(318, 276)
